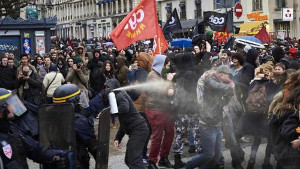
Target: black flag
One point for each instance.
(196, 31)
(173, 23)
(216, 21)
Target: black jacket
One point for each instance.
(129, 117)
(7, 77)
(21, 146)
(283, 131)
(185, 97)
(96, 79)
(35, 94)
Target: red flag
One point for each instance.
(70, 43)
(159, 39)
(263, 35)
(139, 24)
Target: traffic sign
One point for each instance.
(287, 14)
(238, 10)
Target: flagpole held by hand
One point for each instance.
(159, 46)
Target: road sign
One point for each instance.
(287, 14)
(238, 10)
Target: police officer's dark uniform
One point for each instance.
(16, 145)
(84, 127)
(131, 123)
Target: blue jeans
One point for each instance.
(211, 141)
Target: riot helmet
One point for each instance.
(70, 93)
(10, 103)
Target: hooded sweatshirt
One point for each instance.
(144, 67)
(158, 100)
(122, 70)
(128, 115)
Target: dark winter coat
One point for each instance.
(185, 98)
(97, 78)
(283, 131)
(122, 70)
(128, 115)
(7, 77)
(204, 65)
(35, 94)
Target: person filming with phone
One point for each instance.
(79, 74)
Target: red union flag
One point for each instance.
(159, 39)
(139, 24)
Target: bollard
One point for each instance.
(103, 139)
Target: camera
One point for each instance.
(78, 65)
(25, 73)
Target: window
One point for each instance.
(218, 4)
(281, 3)
(182, 10)
(169, 7)
(198, 11)
(257, 5)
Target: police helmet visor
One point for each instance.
(15, 105)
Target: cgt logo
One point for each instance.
(136, 18)
(216, 20)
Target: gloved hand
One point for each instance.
(61, 160)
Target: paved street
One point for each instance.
(117, 161)
(116, 156)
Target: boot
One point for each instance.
(164, 162)
(178, 163)
(152, 165)
(92, 147)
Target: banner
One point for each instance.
(173, 23)
(263, 35)
(216, 21)
(40, 45)
(195, 30)
(159, 39)
(139, 24)
(26, 43)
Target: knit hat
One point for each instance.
(224, 69)
(77, 60)
(53, 67)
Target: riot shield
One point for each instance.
(103, 139)
(56, 129)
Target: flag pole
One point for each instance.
(159, 47)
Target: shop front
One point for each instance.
(25, 36)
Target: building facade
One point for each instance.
(255, 13)
(85, 18)
(97, 18)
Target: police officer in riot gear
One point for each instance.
(84, 127)
(131, 123)
(16, 145)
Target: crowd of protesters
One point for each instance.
(212, 95)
